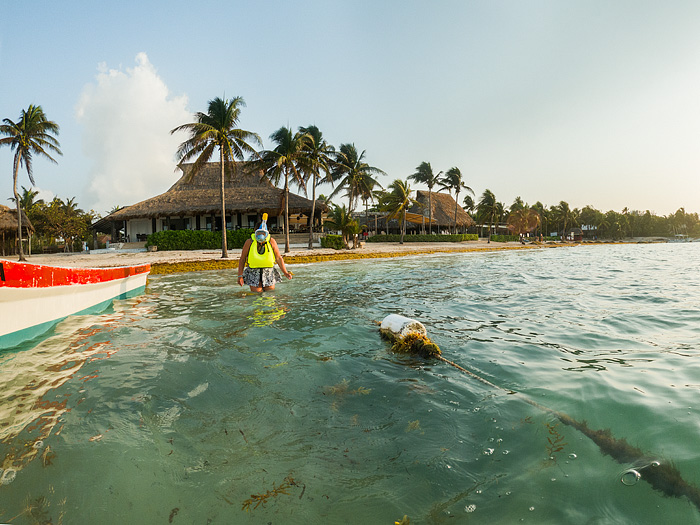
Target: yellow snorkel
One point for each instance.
(261, 234)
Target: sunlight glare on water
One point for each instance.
(200, 402)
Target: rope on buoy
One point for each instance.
(409, 336)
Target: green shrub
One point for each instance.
(505, 238)
(237, 238)
(197, 239)
(460, 237)
(333, 241)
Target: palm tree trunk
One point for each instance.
(456, 204)
(367, 216)
(430, 218)
(19, 208)
(224, 247)
(313, 209)
(286, 211)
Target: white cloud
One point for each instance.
(42, 194)
(127, 117)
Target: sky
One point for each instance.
(592, 102)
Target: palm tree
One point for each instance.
(324, 199)
(523, 220)
(340, 219)
(368, 192)
(518, 204)
(397, 201)
(352, 173)
(544, 214)
(565, 215)
(453, 181)
(217, 128)
(469, 204)
(32, 134)
(289, 158)
(26, 200)
(424, 175)
(488, 209)
(320, 158)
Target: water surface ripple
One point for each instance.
(199, 402)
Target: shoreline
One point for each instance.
(176, 261)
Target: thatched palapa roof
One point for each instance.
(8, 220)
(443, 210)
(246, 192)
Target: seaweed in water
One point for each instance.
(412, 343)
(261, 499)
(665, 478)
(37, 511)
(47, 456)
(554, 440)
(343, 389)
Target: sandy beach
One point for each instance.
(175, 261)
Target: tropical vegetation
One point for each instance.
(318, 167)
(459, 237)
(558, 220)
(424, 175)
(58, 224)
(340, 219)
(453, 181)
(352, 174)
(217, 128)
(306, 160)
(291, 157)
(489, 211)
(32, 134)
(197, 239)
(333, 241)
(397, 201)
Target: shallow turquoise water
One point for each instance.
(181, 404)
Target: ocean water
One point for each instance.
(199, 402)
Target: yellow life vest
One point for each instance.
(257, 260)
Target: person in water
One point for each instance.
(256, 267)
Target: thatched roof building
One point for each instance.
(8, 220)
(196, 203)
(245, 192)
(418, 216)
(8, 229)
(443, 210)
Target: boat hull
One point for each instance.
(33, 298)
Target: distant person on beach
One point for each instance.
(256, 267)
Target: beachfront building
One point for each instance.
(418, 217)
(444, 207)
(575, 234)
(8, 231)
(195, 204)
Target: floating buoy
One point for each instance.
(408, 336)
(402, 326)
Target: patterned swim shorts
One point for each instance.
(268, 276)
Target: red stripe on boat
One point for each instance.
(24, 275)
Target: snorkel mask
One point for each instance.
(261, 234)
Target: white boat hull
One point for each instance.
(27, 311)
